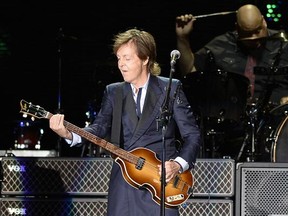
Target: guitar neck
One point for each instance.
(100, 142)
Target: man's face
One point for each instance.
(252, 38)
(133, 69)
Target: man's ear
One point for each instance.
(264, 23)
(145, 62)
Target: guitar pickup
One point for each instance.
(176, 181)
(140, 163)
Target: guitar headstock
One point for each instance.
(36, 111)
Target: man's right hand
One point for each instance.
(184, 25)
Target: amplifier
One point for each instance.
(53, 207)
(203, 207)
(90, 176)
(55, 176)
(98, 206)
(214, 178)
(261, 189)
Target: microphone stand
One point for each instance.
(60, 38)
(164, 120)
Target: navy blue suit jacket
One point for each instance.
(124, 199)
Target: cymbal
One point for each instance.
(280, 35)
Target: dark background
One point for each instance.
(58, 54)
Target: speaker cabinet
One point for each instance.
(90, 176)
(261, 189)
(89, 206)
(55, 176)
(214, 178)
(53, 207)
(205, 207)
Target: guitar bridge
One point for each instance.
(174, 198)
(140, 163)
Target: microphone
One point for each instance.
(175, 54)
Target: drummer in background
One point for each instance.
(251, 44)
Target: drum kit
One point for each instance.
(220, 101)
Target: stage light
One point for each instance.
(274, 13)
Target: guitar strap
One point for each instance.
(116, 135)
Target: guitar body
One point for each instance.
(177, 190)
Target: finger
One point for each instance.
(184, 18)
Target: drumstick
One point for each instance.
(214, 14)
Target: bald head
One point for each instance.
(250, 22)
(249, 17)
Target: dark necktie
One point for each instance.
(138, 107)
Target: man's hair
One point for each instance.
(145, 43)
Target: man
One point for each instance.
(136, 54)
(251, 46)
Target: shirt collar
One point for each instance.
(143, 87)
